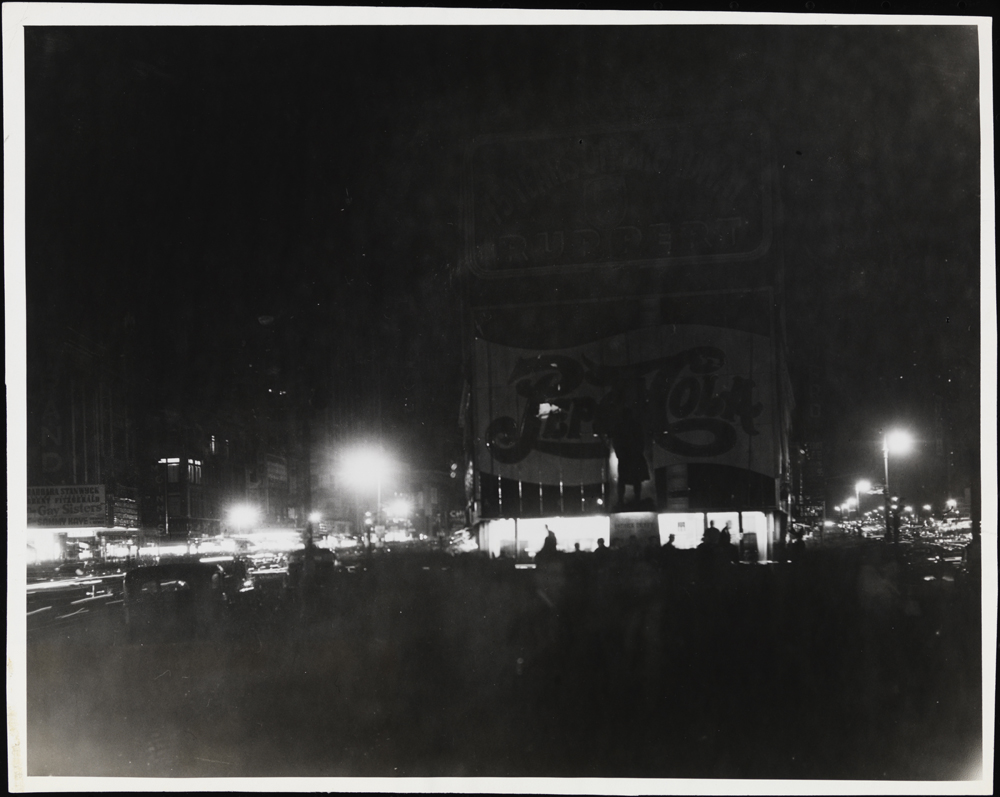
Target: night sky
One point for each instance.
(197, 179)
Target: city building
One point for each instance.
(82, 469)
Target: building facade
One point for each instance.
(83, 476)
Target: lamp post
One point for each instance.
(863, 486)
(363, 467)
(898, 442)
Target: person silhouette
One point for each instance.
(549, 547)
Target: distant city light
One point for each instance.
(927, 507)
(863, 486)
(315, 517)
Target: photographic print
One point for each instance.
(476, 400)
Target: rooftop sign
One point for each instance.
(663, 196)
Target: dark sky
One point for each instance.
(199, 178)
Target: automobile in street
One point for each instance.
(182, 600)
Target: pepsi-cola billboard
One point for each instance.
(697, 393)
(667, 196)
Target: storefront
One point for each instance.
(753, 532)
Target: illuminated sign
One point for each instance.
(67, 505)
(689, 393)
(692, 194)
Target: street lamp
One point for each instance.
(896, 442)
(850, 504)
(863, 486)
(365, 467)
(243, 516)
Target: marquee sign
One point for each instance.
(68, 505)
(672, 194)
(696, 393)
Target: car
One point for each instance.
(73, 569)
(179, 600)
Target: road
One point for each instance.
(457, 666)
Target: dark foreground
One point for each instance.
(840, 666)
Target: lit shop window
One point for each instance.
(173, 469)
(194, 471)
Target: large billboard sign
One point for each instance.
(689, 393)
(662, 196)
(68, 505)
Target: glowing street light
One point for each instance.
(365, 468)
(315, 517)
(862, 486)
(243, 516)
(896, 442)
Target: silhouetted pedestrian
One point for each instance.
(549, 547)
(728, 552)
(601, 552)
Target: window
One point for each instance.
(211, 444)
(194, 471)
(173, 469)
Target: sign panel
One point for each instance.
(667, 394)
(277, 470)
(672, 194)
(643, 526)
(68, 505)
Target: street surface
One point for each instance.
(842, 664)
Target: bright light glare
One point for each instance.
(366, 467)
(952, 503)
(400, 507)
(315, 517)
(851, 502)
(927, 507)
(243, 515)
(863, 486)
(898, 442)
